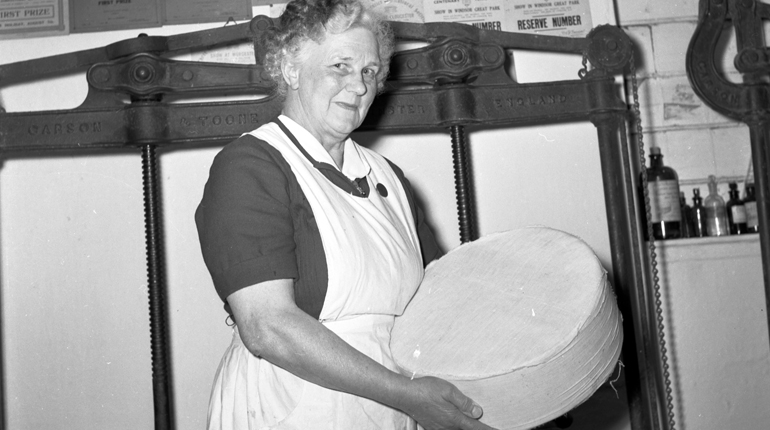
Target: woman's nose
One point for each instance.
(356, 84)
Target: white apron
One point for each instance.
(374, 267)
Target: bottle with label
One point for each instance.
(716, 212)
(687, 229)
(663, 188)
(736, 211)
(698, 215)
(750, 203)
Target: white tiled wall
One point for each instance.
(669, 46)
(711, 287)
(632, 12)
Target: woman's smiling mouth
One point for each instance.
(348, 106)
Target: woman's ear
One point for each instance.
(290, 72)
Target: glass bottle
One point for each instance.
(716, 213)
(687, 229)
(736, 211)
(663, 188)
(750, 203)
(698, 215)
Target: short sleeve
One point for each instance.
(244, 221)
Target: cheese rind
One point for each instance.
(523, 321)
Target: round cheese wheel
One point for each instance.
(524, 322)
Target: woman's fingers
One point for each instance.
(445, 407)
(465, 404)
(471, 422)
(470, 409)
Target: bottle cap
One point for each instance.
(654, 150)
(713, 185)
(696, 192)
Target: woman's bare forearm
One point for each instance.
(306, 348)
(274, 328)
(282, 334)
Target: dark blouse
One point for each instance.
(255, 224)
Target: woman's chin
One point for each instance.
(346, 125)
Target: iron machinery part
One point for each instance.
(463, 185)
(449, 60)
(253, 30)
(737, 101)
(663, 385)
(156, 291)
(432, 32)
(159, 123)
(752, 60)
(748, 18)
(610, 49)
(471, 58)
(143, 74)
(63, 63)
(628, 270)
(748, 102)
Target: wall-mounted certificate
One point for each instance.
(484, 14)
(569, 18)
(234, 54)
(192, 11)
(399, 10)
(27, 18)
(106, 15)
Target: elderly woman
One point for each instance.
(315, 244)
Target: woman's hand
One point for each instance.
(271, 326)
(439, 405)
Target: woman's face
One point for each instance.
(331, 89)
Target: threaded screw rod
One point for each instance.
(462, 184)
(156, 289)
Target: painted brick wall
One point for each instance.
(695, 140)
(711, 289)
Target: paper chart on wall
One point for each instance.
(399, 10)
(25, 18)
(568, 18)
(483, 14)
(109, 15)
(196, 11)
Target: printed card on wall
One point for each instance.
(32, 18)
(236, 54)
(568, 18)
(399, 10)
(105, 15)
(192, 11)
(484, 14)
